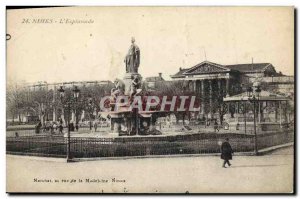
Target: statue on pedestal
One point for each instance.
(132, 59)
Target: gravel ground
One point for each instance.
(204, 174)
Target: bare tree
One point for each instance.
(15, 100)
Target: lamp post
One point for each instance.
(90, 105)
(244, 111)
(76, 95)
(253, 96)
(68, 104)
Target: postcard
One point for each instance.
(157, 100)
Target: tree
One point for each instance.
(15, 99)
(174, 88)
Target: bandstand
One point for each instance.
(272, 112)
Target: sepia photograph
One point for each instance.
(155, 100)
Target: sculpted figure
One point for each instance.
(132, 59)
(135, 86)
(119, 88)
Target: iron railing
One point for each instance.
(88, 147)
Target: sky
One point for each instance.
(168, 37)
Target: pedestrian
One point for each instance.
(95, 125)
(60, 128)
(47, 126)
(77, 127)
(216, 126)
(60, 121)
(226, 152)
(91, 126)
(71, 126)
(51, 128)
(38, 127)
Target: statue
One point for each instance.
(118, 90)
(135, 85)
(132, 59)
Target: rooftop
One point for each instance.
(214, 67)
(155, 78)
(248, 67)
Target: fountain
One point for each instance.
(125, 119)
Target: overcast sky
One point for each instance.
(168, 38)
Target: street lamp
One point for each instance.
(90, 105)
(76, 95)
(68, 104)
(253, 96)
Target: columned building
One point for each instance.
(212, 82)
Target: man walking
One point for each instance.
(60, 126)
(226, 152)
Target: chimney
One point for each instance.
(159, 74)
(180, 69)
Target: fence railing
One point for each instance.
(273, 139)
(140, 146)
(54, 146)
(25, 132)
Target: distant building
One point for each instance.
(48, 86)
(255, 69)
(212, 81)
(151, 82)
(280, 84)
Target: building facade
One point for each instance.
(211, 82)
(151, 82)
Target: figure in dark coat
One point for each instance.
(71, 126)
(38, 127)
(226, 152)
(61, 128)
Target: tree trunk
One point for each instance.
(63, 117)
(19, 118)
(42, 119)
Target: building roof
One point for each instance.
(211, 67)
(248, 67)
(181, 71)
(243, 68)
(154, 79)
